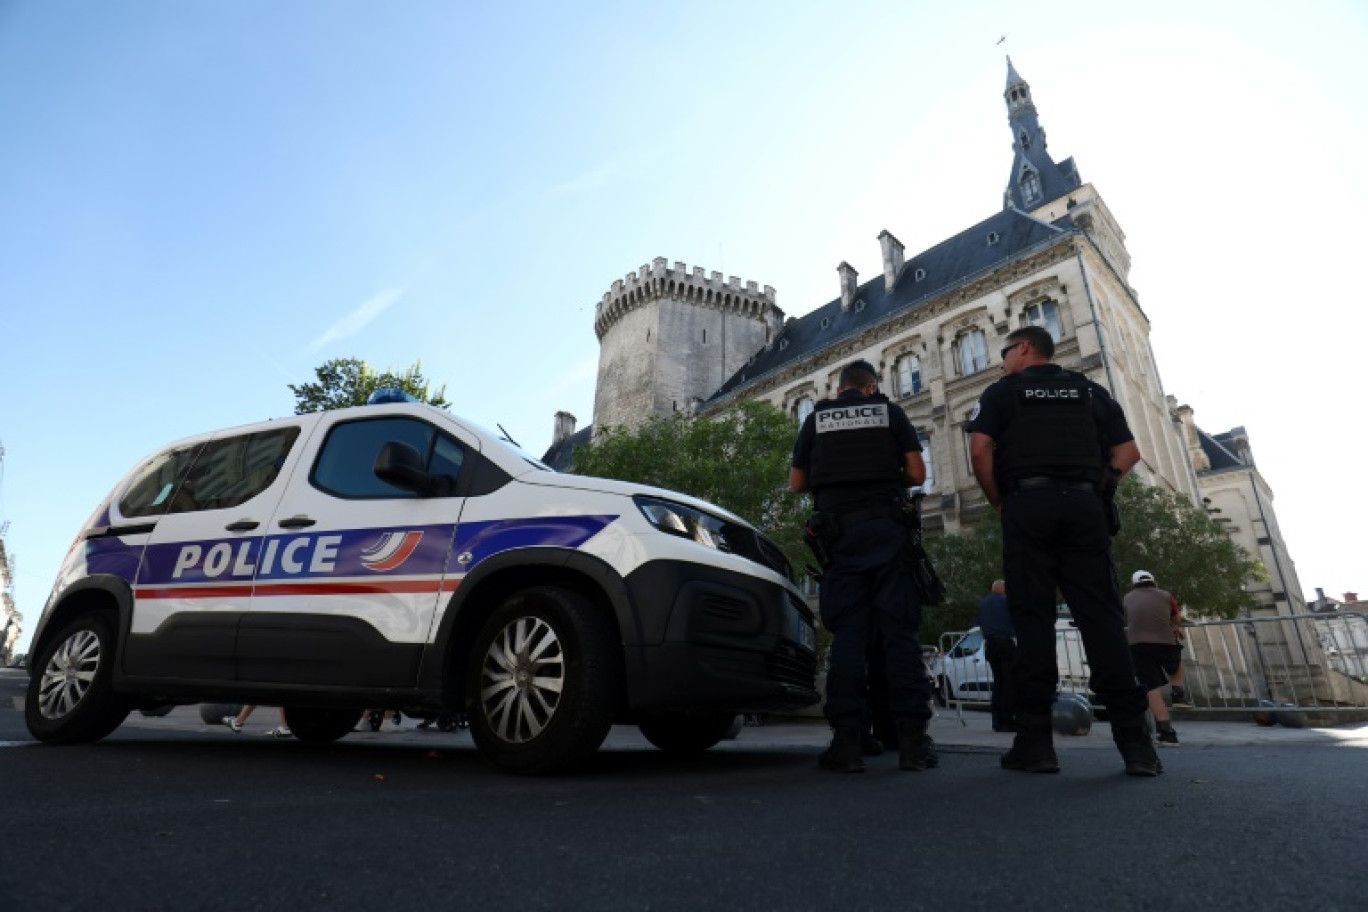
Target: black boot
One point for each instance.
(1033, 747)
(871, 746)
(1132, 737)
(916, 750)
(843, 756)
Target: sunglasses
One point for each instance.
(1003, 353)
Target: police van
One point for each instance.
(393, 555)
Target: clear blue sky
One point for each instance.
(202, 201)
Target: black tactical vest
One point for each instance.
(854, 442)
(1052, 431)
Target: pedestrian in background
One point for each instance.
(1046, 444)
(1153, 628)
(858, 454)
(1000, 646)
(236, 722)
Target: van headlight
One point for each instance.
(686, 522)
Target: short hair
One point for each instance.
(857, 375)
(1038, 337)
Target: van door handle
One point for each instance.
(242, 525)
(296, 522)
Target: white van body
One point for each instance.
(395, 556)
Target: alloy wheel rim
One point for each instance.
(69, 674)
(522, 679)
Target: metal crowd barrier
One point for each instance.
(1305, 661)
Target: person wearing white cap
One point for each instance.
(1155, 635)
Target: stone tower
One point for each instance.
(669, 338)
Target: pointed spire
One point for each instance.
(1036, 178)
(1013, 77)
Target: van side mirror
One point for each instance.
(400, 465)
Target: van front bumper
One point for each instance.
(716, 640)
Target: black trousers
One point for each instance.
(865, 591)
(1001, 652)
(1055, 538)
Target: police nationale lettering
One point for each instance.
(852, 417)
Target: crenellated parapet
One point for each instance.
(657, 282)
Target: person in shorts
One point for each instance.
(1152, 628)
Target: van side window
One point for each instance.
(232, 470)
(150, 492)
(346, 463)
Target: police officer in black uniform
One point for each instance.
(1046, 445)
(858, 454)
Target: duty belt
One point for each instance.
(1037, 482)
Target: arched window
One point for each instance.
(971, 352)
(908, 372)
(1030, 186)
(802, 408)
(929, 484)
(1042, 313)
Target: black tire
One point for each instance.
(321, 726)
(687, 734)
(543, 682)
(70, 697)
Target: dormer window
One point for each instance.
(919, 275)
(1025, 140)
(993, 238)
(1030, 186)
(826, 321)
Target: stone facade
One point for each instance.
(933, 324)
(669, 338)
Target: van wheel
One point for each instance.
(321, 726)
(70, 698)
(543, 683)
(688, 733)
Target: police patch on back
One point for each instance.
(853, 417)
(1056, 395)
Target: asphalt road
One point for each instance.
(180, 816)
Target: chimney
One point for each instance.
(848, 284)
(1351, 598)
(565, 427)
(892, 259)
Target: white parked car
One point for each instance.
(395, 556)
(963, 673)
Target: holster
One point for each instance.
(925, 581)
(819, 532)
(1109, 507)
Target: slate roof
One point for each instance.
(944, 266)
(1220, 451)
(560, 456)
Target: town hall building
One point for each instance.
(674, 339)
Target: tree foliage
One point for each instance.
(1189, 554)
(738, 460)
(344, 382)
(968, 563)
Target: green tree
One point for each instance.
(738, 460)
(1189, 554)
(968, 563)
(344, 382)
